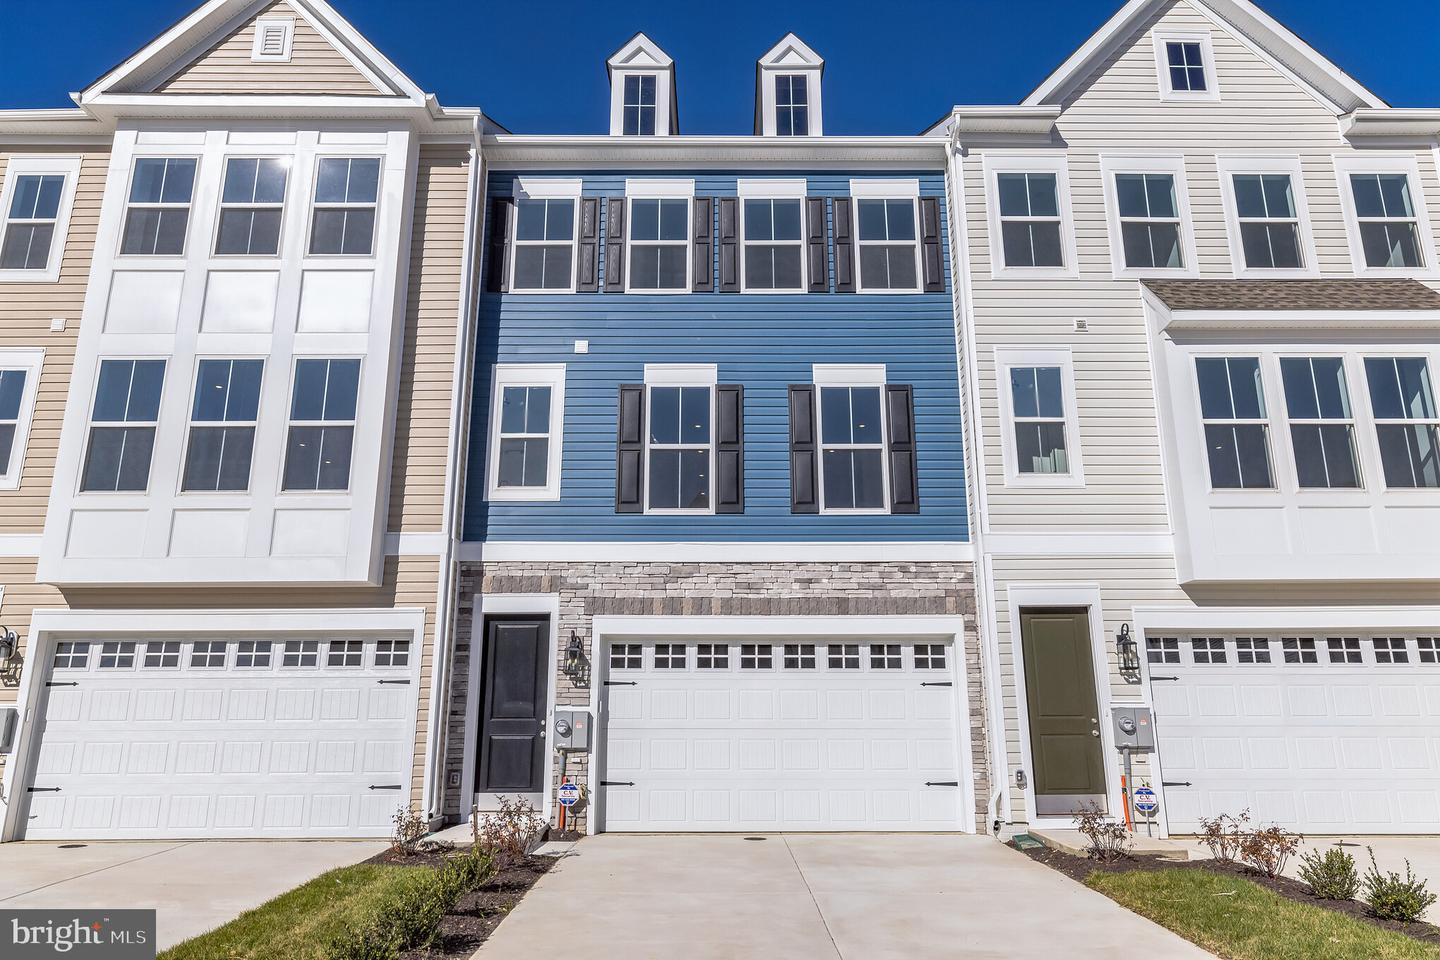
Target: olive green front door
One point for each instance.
(1065, 747)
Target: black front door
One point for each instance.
(514, 683)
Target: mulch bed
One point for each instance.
(480, 911)
(1079, 868)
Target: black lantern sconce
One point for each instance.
(575, 666)
(1128, 652)
(8, 643)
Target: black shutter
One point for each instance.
(630, 450)
(729, 245)
(497, 271)
(587, 280)
(930, 245)
(615, 245)
(904, 486)
(815, 245)
(844, 246)
(804, 489)
(729, 448)
(703, 228)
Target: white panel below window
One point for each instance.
(239, 301)
(335, 301)
(105, 534)
(143, 301)
(209, 533)
(310, 533)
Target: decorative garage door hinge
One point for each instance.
(385, 786)
(617, 783)
(62, 683)
(937, 683)
(619, 683)
(406, 682)
(42, 790)
(942, 783)
(1176, 783)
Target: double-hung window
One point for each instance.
(1322, 425)
(544, 256)
(792, 106)
(1038, 411)
(525, 433)
(1030, 222)
(659, 246)
(122, 425)
(252, 202)
(1268, 215)
(639, 106)
(1402, 400)
(19, 371)
(1386, 218)
(1232, 408)
(680, 448)
(158, 211)
(852, 449)
(346, 192)
(889, 248)
(12, 397)
(222, 425)
(1185, 64)
(1149, 221)
(774, 244)
(30, 221)
(322, 424)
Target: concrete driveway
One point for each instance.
(856, 897)
(193, 886)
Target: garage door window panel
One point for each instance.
(117, 655)
(1299, 650)
(756, 656)
(929, 656)
(712, 656)
(843, 656)
(1322, 424)
(1252, 650)
(799, 656)
(1428, 649)
(1407, 425)
(1162, 649)
(1232, 408)
(122, 426)
(1344, 650)
(253, 654)
(208, 654)
(885, 656)
(345, 653)
(162, 655)
(1390, 650)
(1207, 650)
(626, 656)
(301, 654)
(671, 656)
(392, 653)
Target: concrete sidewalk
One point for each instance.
(855, 897)
(193, 886)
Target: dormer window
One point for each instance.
(1185, 66)
(274, 38)
(792, 105)
(640, 105)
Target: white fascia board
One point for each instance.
(941, 551)
(749, 626)
(602, 149)
(1309, 617)
(1389, 122)
(999, 120)
(1353, 321)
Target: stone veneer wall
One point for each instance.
(587, 590)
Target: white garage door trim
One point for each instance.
(51, 626)
(778, 629)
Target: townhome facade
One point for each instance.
(1198, 320)
(236, 297)
(715, 494)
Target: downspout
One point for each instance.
(447, 591)
(970, 386)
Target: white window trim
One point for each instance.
(64, 166)
(257, 54)
(291, 423)
(191, 423)
(1211, 93)
(314, 205)
(774, 190)
(503, 375)
(1172, 164)
(659, 190)
(1007, 358)
(129, 205)
(548, 188)
(1227, 167)
(32, 361)
(680, 375)
(875, 190)
(1029, 163)
(1394, 163)
(855, 375)
(221, 206)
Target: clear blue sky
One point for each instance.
(538, 67)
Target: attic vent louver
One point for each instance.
(273, 38)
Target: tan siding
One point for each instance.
(427, 370)
(314, 67)
(26, 310)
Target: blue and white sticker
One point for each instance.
(1145, 801)
(569, 794)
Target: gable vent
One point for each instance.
(273, 38)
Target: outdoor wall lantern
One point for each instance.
(8, 640)
(1128, 651)
(574, 657)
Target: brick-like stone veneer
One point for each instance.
(588, 590)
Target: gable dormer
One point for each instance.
(787, 90)
(642, 90)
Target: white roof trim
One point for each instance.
(792, 53)
(178, 46)
(640, 53)
(1252, 25)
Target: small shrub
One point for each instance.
(411, 917)
(1392, 897)
(506, 834)
(1331, 875)
(1105, 839)
(410, 829)
(1268, 850)
(1224, 834)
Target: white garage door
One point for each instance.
(223, 738)
(780, 736)
(1323, 735)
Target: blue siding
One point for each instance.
(764, 342)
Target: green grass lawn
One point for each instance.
(1240, 920)
(297, 925)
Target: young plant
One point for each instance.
(1224, 834)
(1268, 850)
(1331, 875)
(410, 829)
(1105, 839)
(506, 834)
(1393, 897)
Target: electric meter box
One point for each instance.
(571, 730)
(9, 722)
(1134, 729)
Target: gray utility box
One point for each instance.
(9, 722)
(571, 730)
(1134, 729)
